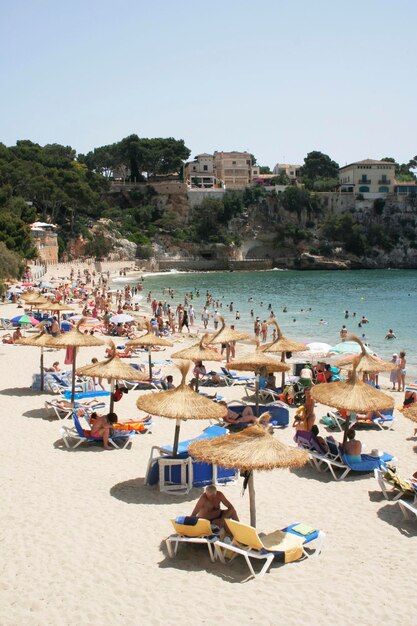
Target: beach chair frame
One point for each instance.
(408, 509)
(173, 541)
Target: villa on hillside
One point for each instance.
(367, 176)
(293, 171)
(46, 240)
(230, 170)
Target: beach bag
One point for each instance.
(117, 394)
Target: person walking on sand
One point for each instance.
(393, 377)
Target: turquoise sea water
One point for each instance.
(388, 298)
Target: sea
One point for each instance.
(317, 303)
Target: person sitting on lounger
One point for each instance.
(352, 447)
(102, 426)
(245, 417)
(320, 440)
(209, 507)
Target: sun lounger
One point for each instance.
(63, 413)
(384, 423)
(233, 378)
(191, 530)
(80, 435)
(287, 544)
(408, 510)
(392, 486)
(334, 460)
(280, 415)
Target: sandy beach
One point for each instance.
(83, 539)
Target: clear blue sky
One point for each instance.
(278, 78)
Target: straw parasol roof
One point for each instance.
(365, 362)
(410, 412)
(76, 339)
(198, 352)
(226, 334)
(254, 361)
(113, 368)
(283, 344)
(28, 296)
(254, 448)
(352, 395)
(181, 403)
(42, 339)
(56, 306)
(149, 339)
(37, 301)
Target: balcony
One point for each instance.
(384, 182)
(364, 181)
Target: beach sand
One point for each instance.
(82, 538)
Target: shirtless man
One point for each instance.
(208, 507)
(102, 426)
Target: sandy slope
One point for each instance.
(81, 537)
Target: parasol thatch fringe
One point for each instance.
(182, 402)
(113, 368)
(252, 449)
(149, 339)
(226, 334)
(410, 412)
(198, 352)
(75, 338)
(282, 344)
(364, 361)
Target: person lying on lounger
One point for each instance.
(209, 507)
(245, 417)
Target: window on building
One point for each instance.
(233, 162)
(205, 168)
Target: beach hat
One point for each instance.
(395, 355)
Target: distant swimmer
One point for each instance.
(343, 332)
(346, 314)
(322, 321)
(285, 309)
(364, 320)
(390, 334)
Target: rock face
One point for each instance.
(308, 261)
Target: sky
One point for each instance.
(278, 78)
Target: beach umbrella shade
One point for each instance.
(226, 335)
(254, 362)
(149, 339)
(365, 362)
(181, 403)
(254, 448)
(352, 395)
(56, 307)
(348, 347)
(410, 412)
(112, 368)
(198, 352)
(75, 339)
(41, 340)
(121, 318)
(315, 350)
(24, 319)
(28, 296)
(282, 345)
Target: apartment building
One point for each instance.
(367, 176)
(200, 172)
(235, 169)
(293, 171)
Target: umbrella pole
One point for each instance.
(257, 395)
(111, 396)
(347, 425)
(176, 438)
(42, 374)
(252, 506)
(227, 352)
(74, 358)
(283, 373)
(150, 362)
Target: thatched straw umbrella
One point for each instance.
(198, 352)
(29, 296)
(254, 362)
(252, 449)
(75, 339)
(352, 395)
(226, 335)
(282, 345)
(148, 340)
(42, 340)
(112, 368)
(181, 403)
(410, 412)
(365, 362)
(56, 307)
